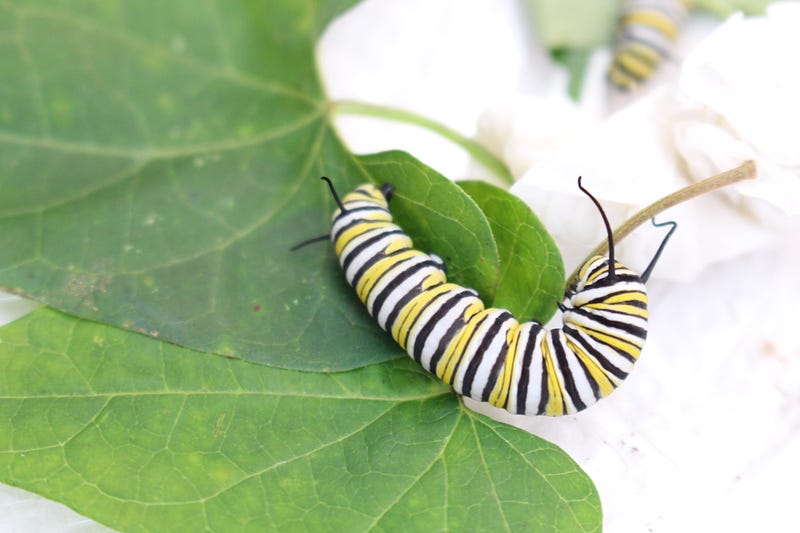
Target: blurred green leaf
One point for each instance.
(574, 23)
(147, 436)
(725, 8)
(575, 61)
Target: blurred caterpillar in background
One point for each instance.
(646, 36)
(487, 354)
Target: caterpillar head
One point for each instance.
(600, 287)
(366, 202)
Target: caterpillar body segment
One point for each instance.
(486, 354)
(646, 35)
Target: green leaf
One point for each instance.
(576, 61)
(574, 23)
(531, 280)
(146, 436)
(155, 175)
(725, 8)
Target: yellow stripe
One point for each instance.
(409, 309)
(621, 79)
(555, 404)
(398, 242)
(634, 65)
(591, 279)
(653, 19)
(436, 277)
(409, 314)
(643, 53)
(374, 273)
(598, 374)
(620, 308)
(627, 296)
(370, 190)
(632, 346)
(351, 233)
(619, 303)
(449, 363)
(499, 395)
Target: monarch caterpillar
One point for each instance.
(646, 35)
(487, 354)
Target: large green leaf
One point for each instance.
(158, 160)
(531, 277)
(147, 436)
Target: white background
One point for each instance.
(705, 435)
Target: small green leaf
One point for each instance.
(146, 436)
(531, 280)
(575, 61)
(574, 23)
(441, 219)
(725, 8)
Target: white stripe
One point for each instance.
(582, 384)
(576, 320)
(362, 259)
(483, 374)
(376, 213)
(401, 290)
(370, 233)
(427, 315)
(585, 296)
(429, 349)
(607, 352)
(537, 377)
(526, 334)
(470, 353)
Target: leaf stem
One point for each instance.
(473, 148)
(745, 171)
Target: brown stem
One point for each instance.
(745, 171)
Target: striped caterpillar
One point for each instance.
(486, 354)
(646, 36)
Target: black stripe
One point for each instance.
(382, 233)
(435, 359)
(604, 281)
(592, 382)
(636, 331)
(438, 316)
(566, 373)
(449, 336)
(608, 367)
(363, 190)
(502, 358)
(392, 286)
(578, 336)
(369, 263)
(629, 37)
(480, 353)
(525, 375)
(418, 314)
(401, 303)
(602, 299)
(356, 220)
(544, 395)
(600, 266)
